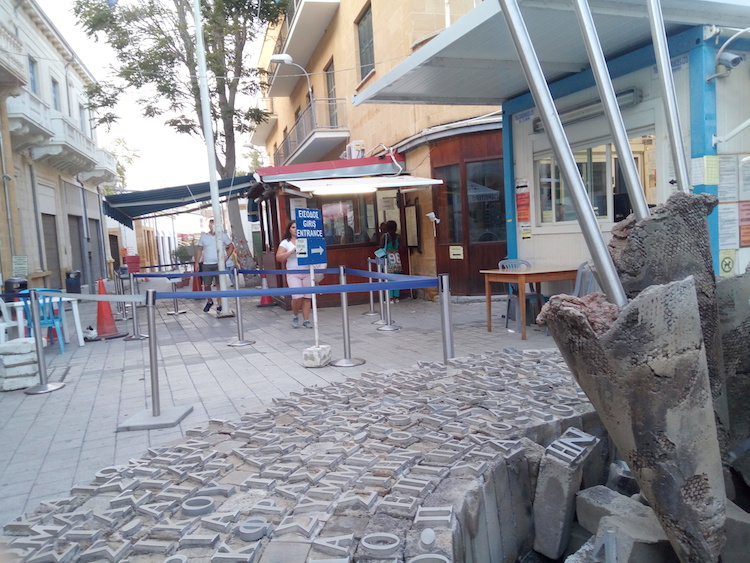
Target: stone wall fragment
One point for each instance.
(652, 392)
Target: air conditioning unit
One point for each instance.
(355, 149)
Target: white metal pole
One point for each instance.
(542, 96)
(669, 95)
(208, 133)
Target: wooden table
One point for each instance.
(535, 275)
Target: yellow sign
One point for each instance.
(456, 252)
(727, 261)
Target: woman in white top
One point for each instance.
(287, 252)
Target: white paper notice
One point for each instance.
(744, 176)
(729, 226)
(728, 178)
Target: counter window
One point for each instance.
(350, 219)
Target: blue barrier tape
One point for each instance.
(166, 265)
(410, 283)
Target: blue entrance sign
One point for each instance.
(311, 244)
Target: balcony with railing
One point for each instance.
(14, 73)
(319, 129)
(69, 149)
(262, 130)
(304, 25)
(105, 171)
(29, 121)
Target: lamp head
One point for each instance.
(282, 59)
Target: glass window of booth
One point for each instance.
(486, 201)
(349, 219)
(599, 168)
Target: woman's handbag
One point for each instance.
(393, 262)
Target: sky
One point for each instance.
(165, 157)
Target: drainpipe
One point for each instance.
(103, 234)
(7, 178)
(37, 218)
(86, 258)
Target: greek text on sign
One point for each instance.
(311, 242)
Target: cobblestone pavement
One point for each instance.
(52, 442)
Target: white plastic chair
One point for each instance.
(6, 323)
(517, 264)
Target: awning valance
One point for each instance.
(133, 205)
(331, 186)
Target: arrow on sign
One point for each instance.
(318, 250)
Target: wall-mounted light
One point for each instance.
(625, 99)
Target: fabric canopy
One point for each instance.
(371, 183)
(133, 205)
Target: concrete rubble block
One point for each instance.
(621, 479)
(595, 503)
(559, 480)
(585, 554)
(737, 527)
(317, 356)
(672, 244)
(651, 390)
(633, 539)
(733, 295)
(284, 551)
(18, 346)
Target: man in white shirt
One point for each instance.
(206, 251)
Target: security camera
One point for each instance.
(730, 60)
(432, 217)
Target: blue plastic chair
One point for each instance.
(517, 264)
(49, 315)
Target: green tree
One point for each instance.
(154, 41)
(125, 156)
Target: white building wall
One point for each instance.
(733, 110)
(563, 244)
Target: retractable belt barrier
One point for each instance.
(385, 282)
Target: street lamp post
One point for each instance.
(285, 59)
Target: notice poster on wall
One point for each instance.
(744, 177)
(729, 226)
(728, 178)
(744, 222)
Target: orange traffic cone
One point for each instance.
(105, 322)
(265, 300)
(197, 281)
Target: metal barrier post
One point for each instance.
(372, 310)
(119, 290)
(44, 386)
(389, 323)
(445, 316)
(381, 307)
(172, 415)
(136, 332)
(152, 352)
(347, 360)
(240, 326)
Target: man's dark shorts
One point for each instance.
(208, 280)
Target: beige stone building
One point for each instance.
(322, 54)
(50, 204)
